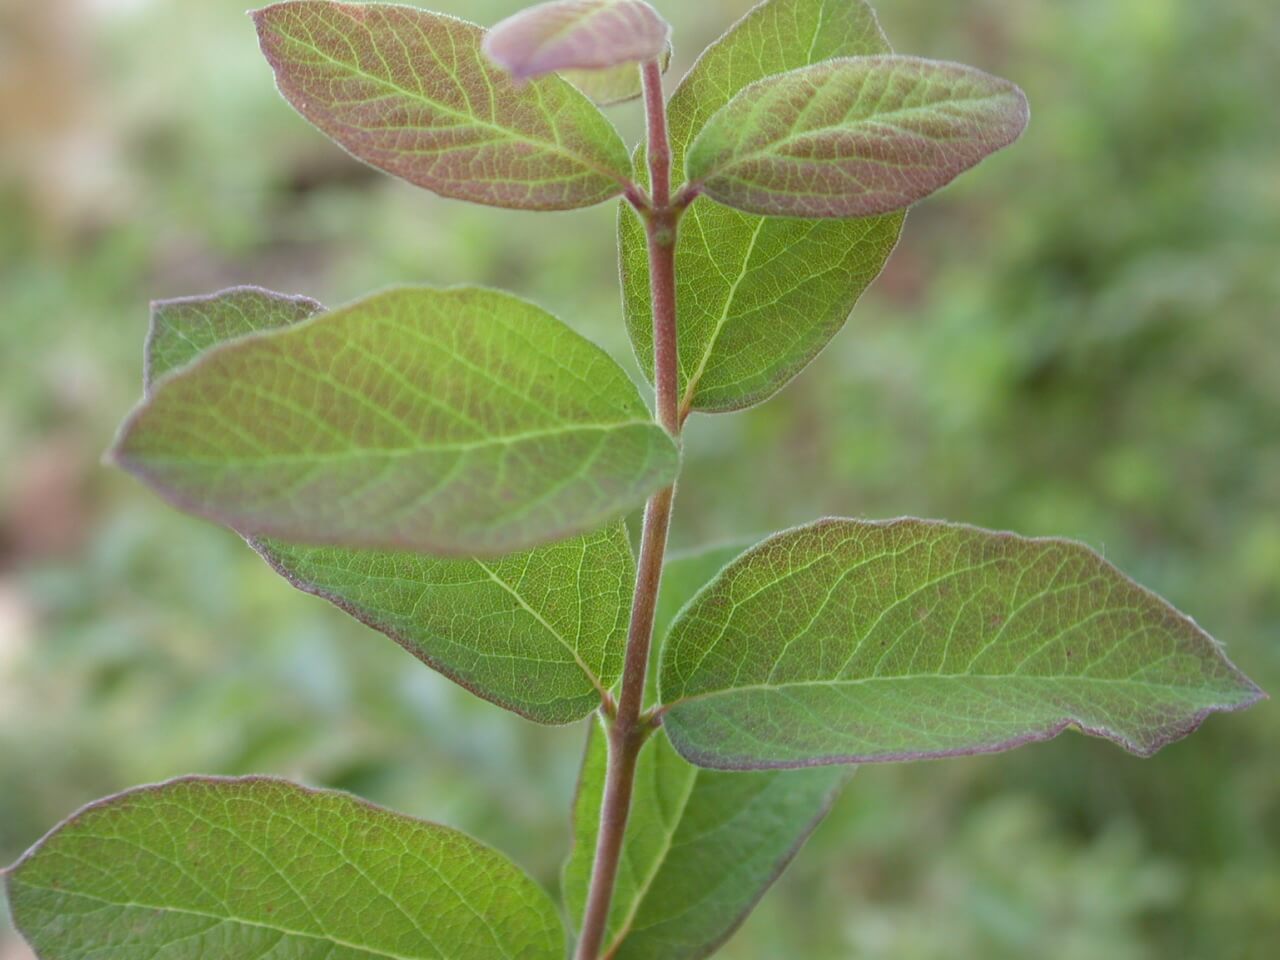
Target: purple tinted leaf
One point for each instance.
(615, 84)
(854, 642)
(577, 35)
(411, 93)
(853, 137)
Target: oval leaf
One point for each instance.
(255, 868)
(455, 422)
(758, 298)
(577, 35)
(411, 93)
(702, 847)
(853, 137)
(540, 633)
(849, 641)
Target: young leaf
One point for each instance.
(702, 847)
(540, 633)
(853, 137)
(205, 867)
(615, 84)
(758, 298)
(454, 422)
(577, 35)
(183, 329)
(849, 641)
(411, 93)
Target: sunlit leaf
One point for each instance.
(612, 85)
(853, 137)
(183, 329)
(411, 93)
(540, 632)
(455, 422)
(202, 868)
(577, 35)
(849, 641)
(758, 298)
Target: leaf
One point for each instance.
(853, 137)
(453, 422)
(614, 85)
(848, 641)
(206, 867)
(758, 298)
(577, 35)
(540, 633)
(183, 329)
(411, 93)
(702, 847)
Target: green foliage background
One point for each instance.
(1081, 338)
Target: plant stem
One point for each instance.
(628, 731)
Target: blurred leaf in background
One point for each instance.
(1081, 339)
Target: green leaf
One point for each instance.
(204, 867)
(540, 633)
(411, 93)
(853, 137)
(614, 85)
(453, 422)
(849, 641)
(702, 847)
(758, 298)
(577, 35)
(183, 329)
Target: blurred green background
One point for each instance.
(1081, 338)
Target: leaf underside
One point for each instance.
(540, 633)
(758, 298)
(702, 847)
(577, 35)
(201, 868)
(452, 422)
(849, 641)
(614, 85)
(412, 93)
(853, 137)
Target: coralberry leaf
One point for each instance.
(853, 137)
(454, 422)
(849, 641)
(615, 84)
(758, 298)
(203, 867)
(540, 633)
(577, 35)
(702, 847)
(411, 93)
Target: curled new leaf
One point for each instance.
(614, 84)
(208, 867)
(411, 93)
(454, 422)
(577, 35)
(849, 641)
(853, 137)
